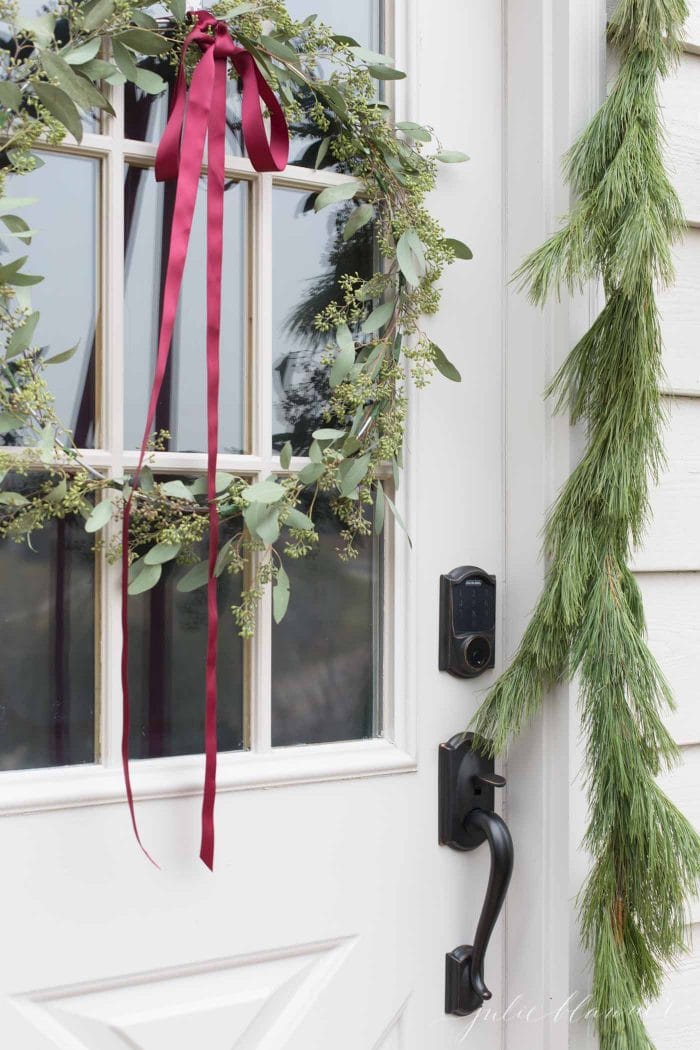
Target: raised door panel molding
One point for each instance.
(243, 1003)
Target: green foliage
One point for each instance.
(68, 59)
(589, 620)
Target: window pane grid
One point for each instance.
(258, 459)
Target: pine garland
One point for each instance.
(589, 619)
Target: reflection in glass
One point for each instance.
(326, 653)
(182, 406)
(47, 625)
(309, 257)
(65, 251)
(167, 653)
(363, 21)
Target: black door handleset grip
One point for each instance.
(467, 782)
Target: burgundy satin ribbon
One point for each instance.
(198, 115)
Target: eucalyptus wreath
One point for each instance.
(589, 621)
(367, 325)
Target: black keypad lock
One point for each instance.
(467, 621)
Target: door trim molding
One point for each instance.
(554, 74)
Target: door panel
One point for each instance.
(332, 906)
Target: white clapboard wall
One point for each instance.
(668, 566)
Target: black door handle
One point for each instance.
(466, 797)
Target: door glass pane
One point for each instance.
(309, 257)
(326, 653)
(65, 251)
(182, 406)
(167, 653)
(47, 626)
(361, 20)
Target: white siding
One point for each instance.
(668, 566)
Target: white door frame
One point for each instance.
(554, 81)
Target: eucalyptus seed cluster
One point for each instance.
(363, 327)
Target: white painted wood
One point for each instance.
(675, 503)
(555, 82)
(672, 605)
(680, 318)
(680, 99)
(692, 27)
(681, 785)
(331, 907)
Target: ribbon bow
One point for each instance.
(198, 115)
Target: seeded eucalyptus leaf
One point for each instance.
(18, 227)
(178, 9)
(398, 518)
(125, 60)
(310, 473)
(58, 493)
(200, 487)
(22, 337)
(77, 87)
(60, 106)
(286, 455)
(342, 191)
(444, 365)
(374, 57)
(263, 492)
(146, 481)
(161, 553)
(280, 595)
(379, 317)
(296, 519)
(262, 521)
(146, 21)
(222, 558)
(351, 472)
(146, 578)
(341, 366)
(358, 218)
(10, 421)
(65, 355)
(347, 41)
(322, 151)
(344, 339)
(99, 516)
(178, 489)
(410, 257)
(315, 453)
(10, 95)
(9, 204)
(97, 15)
(451, 156)
(279, 49)
(379, 508)
(144, 42)
(13, 499)
(41, 28)
(77, 56)
(150, 82)
(328, 434)
(385, 73)
(461, 250)
(194, 578)
(414, 131)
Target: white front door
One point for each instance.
(332, 905)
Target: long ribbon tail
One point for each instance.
(215, 246)
(199, 105)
